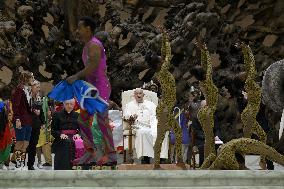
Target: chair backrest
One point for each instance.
(128, 96)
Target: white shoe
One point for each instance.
(3, 167)
(18, 168)
(24, 168)
(11, 167)
(39, 165)
(18, 165)
(218, 140)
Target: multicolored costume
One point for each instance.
(99, 79)
(5, 134)
(45, 138)
(90, 103)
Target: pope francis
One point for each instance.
(143, 112)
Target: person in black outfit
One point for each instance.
(198, 138)
(37, 122)
(64, 127)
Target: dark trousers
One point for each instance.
(32, 146)
(201, 154)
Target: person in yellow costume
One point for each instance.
(45, 141)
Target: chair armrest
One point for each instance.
(126, 132)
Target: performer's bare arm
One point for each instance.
(94, 57)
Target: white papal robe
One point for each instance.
(146, 132)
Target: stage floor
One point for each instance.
(150, 167)
(251, 163)
(192, 179)
(142, 176)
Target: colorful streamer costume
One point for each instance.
(90, 103)
(99, 79)
(93, 97)
(5, 134)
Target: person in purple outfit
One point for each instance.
(95, 72)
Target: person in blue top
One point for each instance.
(183, 119)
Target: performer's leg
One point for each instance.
(85, 121)
(108, 145)
(262, 137)
(209, 145)
(247, 124)
(158, 146)
(178, 134)
(161, 131)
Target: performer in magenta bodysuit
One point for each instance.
(94, 59)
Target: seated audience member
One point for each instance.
(64, 129)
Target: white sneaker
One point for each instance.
(11, 167)
(3, 167)
(24, 168)
(18, 168)
(39, 165)
(218, 140)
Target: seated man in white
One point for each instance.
(145, 126)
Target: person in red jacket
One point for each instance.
(22, 119)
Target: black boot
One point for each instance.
(145, 160)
